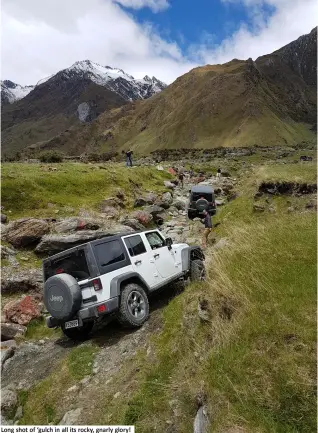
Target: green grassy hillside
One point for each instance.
(240, 103)
(269, 101)
(254, 361)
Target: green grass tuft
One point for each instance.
(45, 402)
(37, 330)
(80, 361)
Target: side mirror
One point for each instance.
(169, 243)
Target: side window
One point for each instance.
(155, 240)
(135, 245)
(109, 253)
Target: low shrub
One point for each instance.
(51, 156)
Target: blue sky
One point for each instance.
(199, 21)
(161, 38)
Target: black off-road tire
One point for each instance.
(197, 270)
(125, 315)
(79, 334)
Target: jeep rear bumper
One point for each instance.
(88, 313)
(196, 212)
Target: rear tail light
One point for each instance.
(97, 284)
(101, 308)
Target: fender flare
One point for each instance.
(196, 253)
(116, 283)
(190, 253)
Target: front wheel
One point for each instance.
(197, 270)
(78, 334)
(134, 306)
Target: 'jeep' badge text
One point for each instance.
(56, 298)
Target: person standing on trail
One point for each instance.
(181, 177)
(218, 174)
(128, 158)
(207, 221)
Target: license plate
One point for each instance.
(71, 324)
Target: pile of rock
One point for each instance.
(52, 236)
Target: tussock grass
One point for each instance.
(255, 360)
(302, 172)
(37, 330)
(27, 189)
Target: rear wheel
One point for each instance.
(134, 306)
(197, 270)
(78, 334)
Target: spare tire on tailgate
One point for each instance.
(202, 204)
(62, 296)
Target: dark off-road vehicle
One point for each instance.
(201, 198)
(114, 276)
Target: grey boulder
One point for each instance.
(201, 421)
(6, 353)
(26, 231)
(9, 401)
(71, 417)
(21, 281)
(52, 244)
(76, 223)
(10, 331)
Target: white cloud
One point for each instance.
(40, 37)
(154, 5)
(291, 19)
(39, 40)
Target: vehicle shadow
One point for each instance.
(109, 332)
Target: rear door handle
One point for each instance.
(137, 262)
(156, 255)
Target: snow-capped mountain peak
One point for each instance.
(96, 72)
(114, 79)
(11, 92)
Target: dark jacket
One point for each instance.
(207, 221)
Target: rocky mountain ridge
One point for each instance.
(114, 79)
(75, 95)
(265, 102)
(11, 92)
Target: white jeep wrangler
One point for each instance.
(114, 274)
